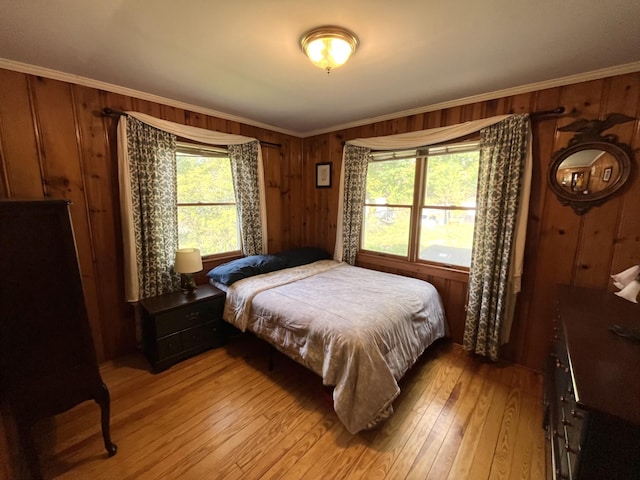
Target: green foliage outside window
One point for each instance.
(445, 232)
(207, 216)
(452, 179)
(392, 180)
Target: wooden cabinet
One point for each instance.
(592, 388)
(177, 325)
(47, 357)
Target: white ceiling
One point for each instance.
(241, 58)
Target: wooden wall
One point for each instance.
(562, 247)
(55, 143)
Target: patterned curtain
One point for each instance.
(355, 162)
(154, 215)
(244, 168)
(500, 178)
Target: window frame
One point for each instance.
(193, 148)
(420, 180)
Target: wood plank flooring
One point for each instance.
(223, 414)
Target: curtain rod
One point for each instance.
(555, 111)
(110, 112)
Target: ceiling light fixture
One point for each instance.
(328, 47)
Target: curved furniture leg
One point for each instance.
(28, 448)
(103, 399)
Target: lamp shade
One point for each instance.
(188, 260)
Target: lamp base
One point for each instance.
(187, 284)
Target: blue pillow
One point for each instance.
(235, 270)
(304, 255)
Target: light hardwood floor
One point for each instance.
(223, 414)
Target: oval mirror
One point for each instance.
(586, 174)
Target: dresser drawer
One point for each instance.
(597, 438)
(573, 419)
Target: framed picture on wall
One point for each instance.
(606, 176)
(323, 175)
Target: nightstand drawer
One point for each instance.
(169, 346)
(187, 317)
(203, 335)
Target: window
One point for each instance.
(207, 217)
(421, 204)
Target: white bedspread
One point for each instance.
(359, 329)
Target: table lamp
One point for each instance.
(188, 262)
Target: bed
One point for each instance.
(359, 329)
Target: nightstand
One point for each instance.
(176, 326)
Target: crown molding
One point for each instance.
(129, 92)
(88, 82)
(507, 92)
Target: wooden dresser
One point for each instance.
(47, 359)
(592, 388)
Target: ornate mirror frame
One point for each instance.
(582, 186)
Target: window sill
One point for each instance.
(212, 261)
(440, 271)
(217, 259)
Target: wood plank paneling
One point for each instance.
(20, 159)
(562, 247)
(64, 178)
(624, 97)
(54, 143)
(101, 176)
(275, 221)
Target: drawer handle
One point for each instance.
(193, 315)
(569, 448)
(576, 414)
(559, 364)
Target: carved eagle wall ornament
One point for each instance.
(590, 130)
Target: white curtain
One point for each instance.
(210, 137)
(422, 138)
(433, 136)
